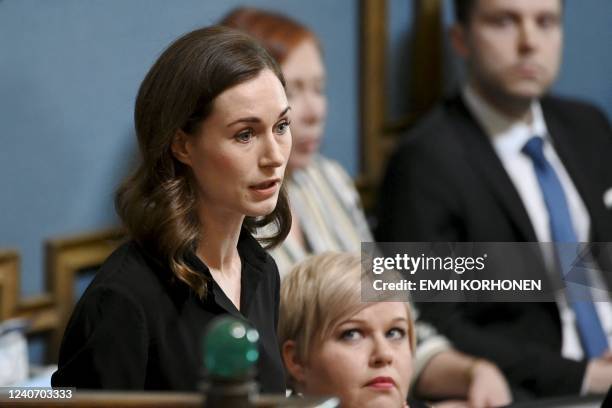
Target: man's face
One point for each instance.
(512, 47)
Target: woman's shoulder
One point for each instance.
(125, 263)
(130, 272)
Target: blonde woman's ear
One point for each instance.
(294, 366)
(180, 148)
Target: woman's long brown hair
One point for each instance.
(158, 202)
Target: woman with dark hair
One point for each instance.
(325, 206)
(212, 121)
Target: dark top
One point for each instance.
(137, 328)
(445, 183)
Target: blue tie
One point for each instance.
(592, 335)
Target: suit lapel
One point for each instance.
(562, 141)
(487, 164)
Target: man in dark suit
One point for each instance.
(479, 168)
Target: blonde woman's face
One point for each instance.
(367, 361)
(305, 76)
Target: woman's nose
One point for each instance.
(382, 352)
(314, 108)
(273, 151)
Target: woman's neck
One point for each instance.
(219, 234)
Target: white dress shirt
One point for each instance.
(508, 138)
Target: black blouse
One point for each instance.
(137, 328)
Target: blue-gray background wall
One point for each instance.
(70, 69)
(69, 73)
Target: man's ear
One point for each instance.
(294, 366)
(458, 37)
(179, 147)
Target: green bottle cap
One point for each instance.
(230, 348)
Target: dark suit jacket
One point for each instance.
(446, 183)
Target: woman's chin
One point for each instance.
(261, 209)
(386, 398)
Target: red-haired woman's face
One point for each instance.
(305, 75)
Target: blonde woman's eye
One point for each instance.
(396, 333)
(244, 136)
(351, 334)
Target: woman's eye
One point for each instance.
(244, 136)
(282, 127)
(351, 334)
(396, 333)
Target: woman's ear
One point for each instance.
(180, 149)
(294, 366)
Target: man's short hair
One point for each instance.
(464, 9)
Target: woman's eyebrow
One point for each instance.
(395, 320)
(248, 119)
(254, 119)
(284, 112)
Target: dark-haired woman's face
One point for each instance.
(239, 155)
(305, 75)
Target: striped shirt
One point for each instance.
(328, 208)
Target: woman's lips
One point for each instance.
(265, 189)
(381, 383)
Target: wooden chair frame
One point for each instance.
(379, 133)
(66, 258)
(9, 283)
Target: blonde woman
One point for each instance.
(333, 344)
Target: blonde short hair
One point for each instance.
(317, 294)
